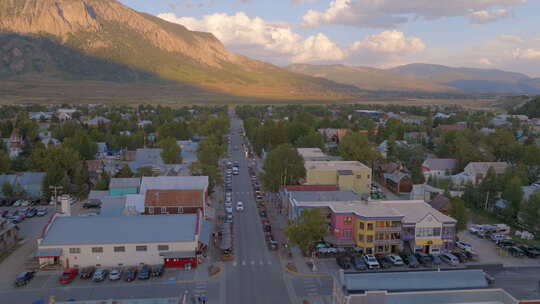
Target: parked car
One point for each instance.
(471, 255)
(157, 270)
(23, 278)
(144, 273)
(358, 263)
(87, 272)
(371, 261)
(394, 259)
(449, 259)
(381, 258)
(68, 275)
(30, 212)
(239, 206)
(263, 213)
(530, 251)
(42, 212)
(228, 209)
(515, 251)
(463, 245)
(343, 263)
(506, 243)
(273, 245)
(462, 257)
(423, 258)
(130, 274)
(497, 237)
(92, 204)
(115, 274)
(99, 275)
(410, 260)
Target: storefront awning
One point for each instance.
(177, 254)
(48, 252)
(339, 242)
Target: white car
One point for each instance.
(228, 209)
(395, 259)
(371, 261)
(239, 206)
(115, 274)
(463, 245)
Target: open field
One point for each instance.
(81, 92)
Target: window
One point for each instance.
(163, 247)
(380, 224)
(428, 232)
(359, 176)
(361, 225)
(141, 248)
(163, 210)
(97, 249)
(370, 226)
(347, 233)
(379, 236)
(360, 237)
(370, 238)
(74, 250)
(347, 220)
(119, 249)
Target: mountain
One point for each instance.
(425, 78)
(110, 35)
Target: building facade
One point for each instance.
(349, 175)
(123, 186)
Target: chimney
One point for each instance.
(65, 205)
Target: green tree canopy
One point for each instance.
(356, 146)
(282, 166)
(125, 172)
(308, 228)
(213, 173)
(5, 162)
(172, 153)
(459, 212)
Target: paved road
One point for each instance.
(255, 276)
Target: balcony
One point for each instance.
(387, 242)
(388, 229)
(448, 236)
(407, 237)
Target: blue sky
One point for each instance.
(502, 34)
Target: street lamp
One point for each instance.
(55, 189)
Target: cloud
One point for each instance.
(510, 39)
(485, 61)
(390, 13)
(526, 53)
(262, 38)
(485, 16)
(389, 42)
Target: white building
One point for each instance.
(103, 241)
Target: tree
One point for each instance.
(311, 140)
(213, 173)
(530, 212)
(282, 166)
(145, 171)
(5, 162)
(459, 213)
(209, 151)
(125, 172)
(103, 182)
(172, 153)
(82, 143)
(513, 194)
(356, 146)
(305, 230)
(7, 190)
(81, 180)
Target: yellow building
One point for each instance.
(348, 175)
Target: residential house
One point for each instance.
(349, 175)
(394, 176)
(9, 235)
(65, 114)
(333, 135)
(15, 144)
(147, 157)
(383, 147)
(476, 171)
(123, 186)
(40, 116)
(47, 139)
(438, 167)
(370, 113)
(449, 128)
(440, 203)
(416, 137)
(111, 241)
(189, 152)
(96, 121)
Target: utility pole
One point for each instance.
(56, 188)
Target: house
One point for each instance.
(449, 128)
(9, 235)
(174, 194)
(147, 157)
(333, 135)
(315, 154)
(40, 116)
(110, 241)
(438, 167)
(476, 171)
(349, 175)
(419, 287)
(144, 123)
(383, 147)
(101, 149)
(416, 137)
(369, 113)
(95, 168)
(96, 121)
(440, 203)
(123, 186)
(15, 144)
(394, 176)
(189, 152)
(65, 114)
(298, 201)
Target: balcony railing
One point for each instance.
(407, 237)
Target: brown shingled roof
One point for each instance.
(174, 198)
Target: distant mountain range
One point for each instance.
(118, 43)
(44, 43)
(418, 77)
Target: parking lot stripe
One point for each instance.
(252, 263)
(243, 263)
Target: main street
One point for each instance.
(255, 275)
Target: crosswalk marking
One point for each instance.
(243, 263)
(234, 263)
(261, 262)
(252, 263)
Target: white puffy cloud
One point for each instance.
(510, 39)
(389, 13)
(526, 53)
(485, 61)
(262, 38)
(485, 16)
(390, 42)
